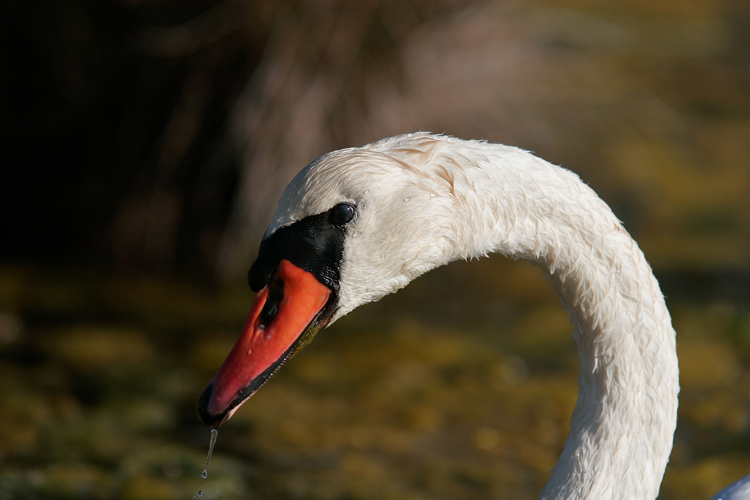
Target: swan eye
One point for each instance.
(341, 214)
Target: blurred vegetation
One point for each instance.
(147, 141)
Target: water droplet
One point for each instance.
(407, 199)
(212, 443)
(367, 191)
(432, 195)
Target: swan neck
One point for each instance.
(625, 416)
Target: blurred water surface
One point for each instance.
(462, 384)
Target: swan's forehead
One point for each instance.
(345, 176)
(373, 172)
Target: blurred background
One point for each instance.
(145, 143)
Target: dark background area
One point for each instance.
(85, 109)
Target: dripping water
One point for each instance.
(214, 434)
(211, 444)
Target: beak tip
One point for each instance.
(211, 420)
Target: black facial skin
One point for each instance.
(315, 244)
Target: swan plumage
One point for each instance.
(418, 201)
(739, 490)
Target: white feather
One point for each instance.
(425, 200)
(737, 491)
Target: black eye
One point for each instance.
(341, 214)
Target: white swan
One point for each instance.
(360, 223)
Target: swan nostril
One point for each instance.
(271, 307)
(268, 313)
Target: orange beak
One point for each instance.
(285, 316)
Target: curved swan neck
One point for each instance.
(626, 413)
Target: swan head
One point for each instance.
(353, 226)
